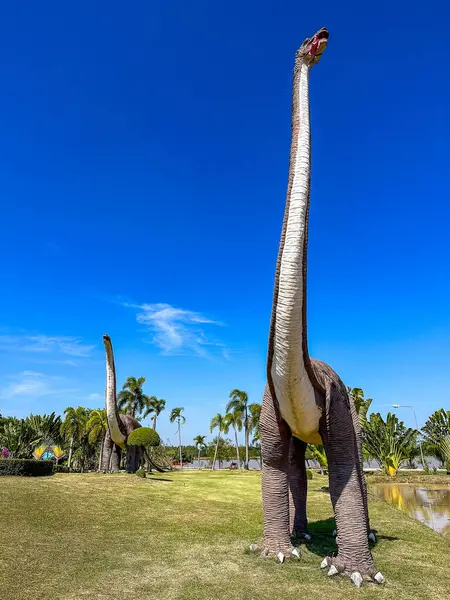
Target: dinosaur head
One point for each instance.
(109, 351)
(312, 48)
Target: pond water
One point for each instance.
(430, 505)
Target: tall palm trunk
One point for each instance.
(215, 452)
(246, 438)
(237, 446)
(179, 442)
(100, 460)
(154, 422)
(198, 459)
(69, 462)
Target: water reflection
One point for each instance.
(430, 505)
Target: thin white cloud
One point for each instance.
(177, 330)
(31, 391)
(31, 384)
(45, 344)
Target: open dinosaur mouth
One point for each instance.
(106, 338)
(319, 42)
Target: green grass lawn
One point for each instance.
(109, 537)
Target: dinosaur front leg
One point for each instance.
(347, 496)
(275, 440)
(107, 450)
(115, 459)
(298, 488)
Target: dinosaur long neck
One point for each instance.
(289, 364)
(111, 407)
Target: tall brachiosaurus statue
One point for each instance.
(119, 426)
(305, 401)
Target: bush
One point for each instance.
(447, 466)
(309, 474)
(64, 469)
(141, 473)
(143, 436)
(61, 469)
(25, 467)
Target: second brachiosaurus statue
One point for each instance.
(119, 426)
(305, 401)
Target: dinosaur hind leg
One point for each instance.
(362, 479)
(298, 487)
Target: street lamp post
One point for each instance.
(417, 427)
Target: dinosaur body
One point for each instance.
(305, 401)
(119, 426)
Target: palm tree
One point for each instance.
(73, 427)
(435, 431)
(388, 442)
(97, 426)
(239, 404)
(45, 428)
(255, 416)
(176, 415)
(234, 420)
(362, 404)
(132, 398)
(154, 406)
(199, 442)
(217, 421)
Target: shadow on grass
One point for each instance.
(159, 479)
(323, 543)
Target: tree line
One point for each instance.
(393, 445)
(78, 436)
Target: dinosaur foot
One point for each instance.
(280, 552)
(358, 575)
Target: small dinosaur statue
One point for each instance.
(305, 401)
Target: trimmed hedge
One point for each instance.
(25, 467)
(143, 436)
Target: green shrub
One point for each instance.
(447, 466)
(143, 436)
(309, 474)
(141, 473)
(22, 466)
(61, 469)
(64, 469)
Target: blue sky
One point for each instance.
(143, 170)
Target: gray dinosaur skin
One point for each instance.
(119, 426)
(112, 452)
(284, 481)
